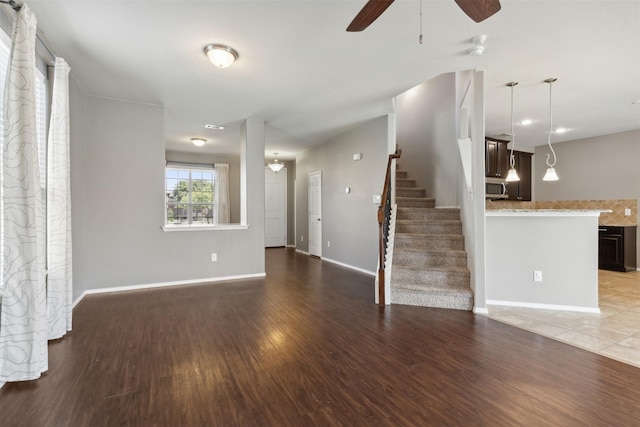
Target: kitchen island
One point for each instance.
(542, 258)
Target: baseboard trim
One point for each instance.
(361, 270)
(165, 284)
(300, 251)
(556, 307)
(479, 310)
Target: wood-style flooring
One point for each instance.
(307, 347)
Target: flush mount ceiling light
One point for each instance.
(198, 142)
(512, 176)
(275, 166)
(220, 55)
(551, 174)
(216, 127)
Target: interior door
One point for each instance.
(315, 213)
(275, 203)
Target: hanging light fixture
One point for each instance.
(512, 175)
(275, 166)
(220, 55)
(551, 174)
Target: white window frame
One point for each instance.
(190, 169)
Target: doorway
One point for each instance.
(275, 208)
(315, 213)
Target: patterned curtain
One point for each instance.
(23, 316)
(59, 279)
(221, 195)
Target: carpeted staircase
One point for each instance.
(429, 261)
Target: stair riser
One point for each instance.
(401, 174)
(405, 183)
(433, 278)
(429, 228)
(410, 192)
(426, 259)
(408, 297)
(428, 242)
(415, 203)
(429, 214)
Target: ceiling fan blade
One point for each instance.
(479, 10)
(369, 13)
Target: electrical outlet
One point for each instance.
(214, 257)
(537, 276)
(328, 244)
(627, 212)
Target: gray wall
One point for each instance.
(234, 174)
(118, 203)
(599, 168)
(291, 198)
(426, 133)
(349, 220)
(564, 248)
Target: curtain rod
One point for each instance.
(15, 6)
(39, 36)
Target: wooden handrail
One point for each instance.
(384, 217)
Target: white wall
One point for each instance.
(564, 248)
(472, 204)
(349, 220)
(600, 168)
(118, 203)
(426, 134)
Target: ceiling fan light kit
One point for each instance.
(220, 55)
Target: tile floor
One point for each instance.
(614, 333)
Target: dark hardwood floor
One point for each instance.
(307, 346)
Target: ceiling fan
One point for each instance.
(478, 10)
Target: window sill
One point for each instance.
(220, 227)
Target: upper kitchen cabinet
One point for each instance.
(496, 158)
(521, 190)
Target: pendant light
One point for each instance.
(512, 175)
(275, 166)
(551, 174)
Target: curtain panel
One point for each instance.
(23, 327)
(221, 208)
(59, 262)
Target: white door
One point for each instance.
(275, 212)
(315, 213)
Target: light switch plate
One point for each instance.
(627, 212)
(377, 198)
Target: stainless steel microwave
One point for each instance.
(495, 189)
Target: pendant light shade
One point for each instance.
(512, 175)
(275, 165)
(551, 174)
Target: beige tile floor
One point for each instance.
(614, 333)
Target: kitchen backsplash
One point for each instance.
(617, 217)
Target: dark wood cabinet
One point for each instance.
(521, 190)
(496, 158)
(617, 248)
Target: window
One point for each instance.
(189, 192)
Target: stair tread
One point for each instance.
(410, 208)
(429, 221)
(430, 251)
(433, 288)
(457, 236)
(439, 269)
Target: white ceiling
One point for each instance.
(309, 79)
